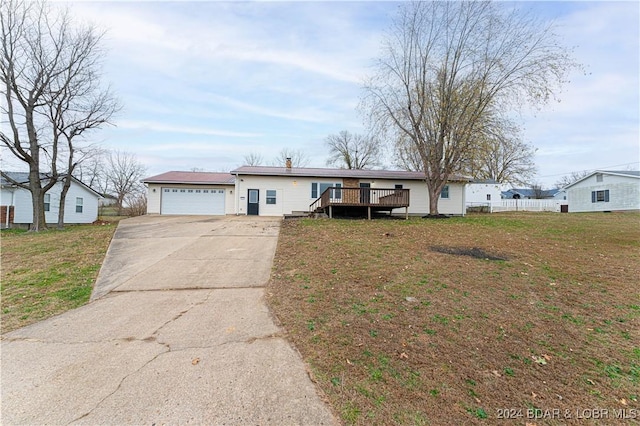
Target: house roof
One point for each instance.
(23, 177)
(625, 173)
(485, 181)
(192, 177)
(337, 173)
(530, 192)
(20, 177)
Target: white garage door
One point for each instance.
(192, 201)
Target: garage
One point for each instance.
(192, 201)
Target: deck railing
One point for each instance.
(361, 197)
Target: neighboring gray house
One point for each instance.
(81, 203)
(531, 194)
(605, 191)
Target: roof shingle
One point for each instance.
(337, 173)
(192, 177)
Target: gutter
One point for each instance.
(237, 197)
(9, 208)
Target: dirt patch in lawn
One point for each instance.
(474, 252)
(396, 332)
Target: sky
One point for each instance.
(205, 83)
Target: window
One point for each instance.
(599, 177)
(445, 192)
(190, 190)
(79, 202)
(337, 193)
(398, 186)
(317, 188)
(488, 197)
(174, 190)
(166, 190)
(206, 191)
(47, 202)
(600, 196)
(182, 190)
(271, 196)
(197, 190)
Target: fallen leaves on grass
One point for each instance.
(461, 320)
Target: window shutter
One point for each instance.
(593, 196)
(606, 195)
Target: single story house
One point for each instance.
(191, 193)
(482, 192)
(605, 191)
(81, 202)
(278, 191)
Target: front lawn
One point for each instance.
(50, 272)
(466, 320)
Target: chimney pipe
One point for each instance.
(288, 163)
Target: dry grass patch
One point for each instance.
(50, 272)
(421, 322)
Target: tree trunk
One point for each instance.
(434, 195)
(38, 222)
(63, 197)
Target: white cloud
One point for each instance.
(162, 127)
(205, 78)
(596, 124)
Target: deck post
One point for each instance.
(406, 213)
(369, 212)
(330, 212)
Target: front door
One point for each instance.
(365, 193)
(253, 202)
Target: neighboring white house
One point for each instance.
(81, 203)
(605, 191)
(482, 193)
(276, 191)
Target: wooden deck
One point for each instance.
(338, 199)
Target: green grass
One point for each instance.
(50, 272)
(424, 336)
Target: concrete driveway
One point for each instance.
(177, 333)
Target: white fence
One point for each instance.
(515, 205)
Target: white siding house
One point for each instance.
(81, 202)
(483, 193)
(275, 191)
(605, 191)
(278, 191)
(196, 193)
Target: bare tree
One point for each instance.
(500, 154)
(537, 192)
(567, 180)
(446, 67)
(79, 107)
(406, 156)
(124, 173)
(298, 158)
(43, 61)
(253, 159)
(353, 150)
(91, 170)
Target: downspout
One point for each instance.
(464, 198)
(237, 197)
(9, 209)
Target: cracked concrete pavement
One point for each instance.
(177, 332)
